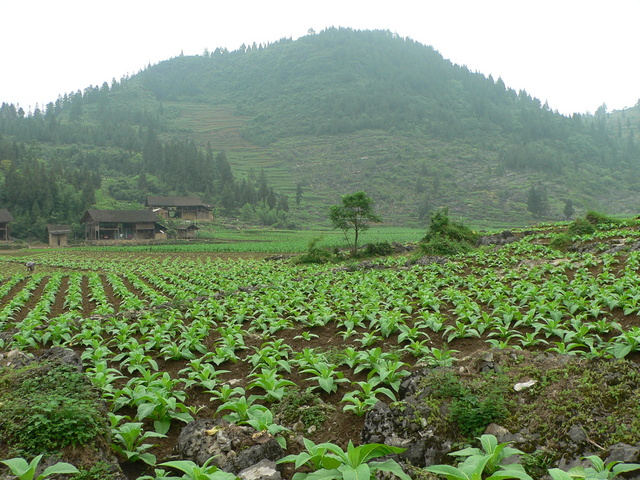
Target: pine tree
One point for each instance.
(537, 200)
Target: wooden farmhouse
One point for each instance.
(184, 208)
(122, 225)
(5, 219)
(58, 235)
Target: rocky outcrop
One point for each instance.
(502, 238)
(234, 448)
(422, 421)
(427, 260)
(406, 426)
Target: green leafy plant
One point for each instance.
(327, 376)
(272, 383)
(193, 471)
(27, 470)
(359, 402)
(486, 463)
(262, 421)
(599, 470)
(128, 441)
(330, 462)
(242, 408)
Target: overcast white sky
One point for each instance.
(575, 54)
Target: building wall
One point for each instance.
(58, 240)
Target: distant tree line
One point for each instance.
(38, 192)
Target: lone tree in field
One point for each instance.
(355, 212)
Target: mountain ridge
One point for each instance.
(346, 110)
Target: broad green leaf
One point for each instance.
(625, 467)
(390, 466)
(558, 474)
(20, 467)
(145, 410)
(361, 472)
(489, 443)
(514, 470)
(58, 468)
(162, 426)
(325, 474)
(451, 473)
(597, 462)
(466, 452)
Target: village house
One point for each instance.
(5, 219)
(183, 208)
(58, 235)
(122, 225)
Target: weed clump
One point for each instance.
(379, 249)
(561, 241)
(472, 405)
(581, 226)
(317, 254)
(48, 407)
(304, 406)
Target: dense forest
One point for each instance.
(329, 113)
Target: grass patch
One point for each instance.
(49, 407)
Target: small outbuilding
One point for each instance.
(5, 219)
(187, 231)
(58, 235)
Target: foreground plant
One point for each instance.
(487, 463)
(330, 462)
(360, 401)
(599, 471)
(129, 441)
(192, 471)
(27, 471)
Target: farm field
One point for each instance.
(206, 334)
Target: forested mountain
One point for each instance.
(313, 119)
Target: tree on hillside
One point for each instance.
(568, 209)
(298, 194)
(355, 212)
(537, 200)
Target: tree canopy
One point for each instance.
(354, 213)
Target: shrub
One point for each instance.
(446, 237)
(378, 249)
(444, 246)
(316, 254)
(597, 218)
(561, 242)
(581, 226)
(443, 227)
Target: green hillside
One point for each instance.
(300, 123)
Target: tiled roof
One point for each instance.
(5, 216)
(174, 202)
(120, 216)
